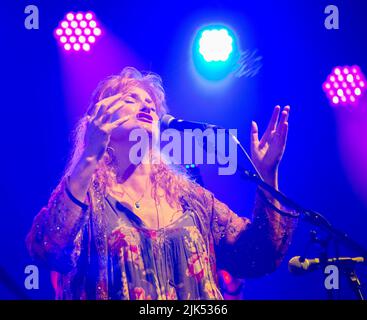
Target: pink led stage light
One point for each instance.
(345, 85)
(78, 31)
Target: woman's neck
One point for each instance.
(128, 175)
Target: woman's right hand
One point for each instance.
(100, 126)
(97, 137)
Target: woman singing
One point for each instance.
(114, 230)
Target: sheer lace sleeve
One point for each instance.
(56, 235)
(250, 248)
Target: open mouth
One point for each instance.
(145, 117)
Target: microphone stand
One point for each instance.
(355, 283)
(308, 215)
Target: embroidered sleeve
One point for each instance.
(250, 248)
(226, 225)
(56, 235)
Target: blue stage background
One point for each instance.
(40, 104)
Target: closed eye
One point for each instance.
(136, 97)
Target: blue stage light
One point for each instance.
(215, 52)
(215, 45)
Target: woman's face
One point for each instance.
(143, 114)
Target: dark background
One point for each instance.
(44, 91)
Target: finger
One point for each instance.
(283, 119)
(116, 106)
(282, 130)
(274, 119)
(92, 110)
(112, 110)
(283, 133)
(103, 115)
(111, 99)
(287, 109)
(113, 103)
(107, 102)
(118, 122)
(254, 134)
(272, 124)
(102, 109)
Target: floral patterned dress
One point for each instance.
(102, 250)
(168, 263)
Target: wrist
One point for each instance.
(93, 152)
(88, 159)
(271, 177)
(85, 166)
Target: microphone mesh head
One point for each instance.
(165, 121)
(296, 266)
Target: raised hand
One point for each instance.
(267, 152)
(100, 126)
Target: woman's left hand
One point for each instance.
(267, 152)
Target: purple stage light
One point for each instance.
(89, 16)
(349, 83)
(83, 24)
(86, 46)
(70, 16)
(78, 31)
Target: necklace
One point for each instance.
(137, 203)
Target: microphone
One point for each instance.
(170, 122)
(298, 265)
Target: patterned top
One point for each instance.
(168, 263)
(105, 251)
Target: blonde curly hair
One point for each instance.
(173, 180)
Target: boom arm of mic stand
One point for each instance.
(310, 216)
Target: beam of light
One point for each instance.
(352, 133)
(78, 31)
(82, 72)
(346, 87)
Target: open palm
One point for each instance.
(267, 152)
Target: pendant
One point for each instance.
(137, 205)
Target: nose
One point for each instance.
(145, 108)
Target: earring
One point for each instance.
(110, 156)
